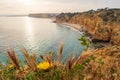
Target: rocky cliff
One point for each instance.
(102, 24)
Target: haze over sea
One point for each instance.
(37, 35)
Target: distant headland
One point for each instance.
(43, 15)
(2, 15)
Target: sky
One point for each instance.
(53, 6)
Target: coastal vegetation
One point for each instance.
(93, 64)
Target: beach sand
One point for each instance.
(75, 26)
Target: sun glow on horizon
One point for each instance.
(27, 2)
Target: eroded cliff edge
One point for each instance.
(103, 24)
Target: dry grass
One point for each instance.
(99, 64)
(13, 57)
(30, 60)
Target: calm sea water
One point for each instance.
(37, 35)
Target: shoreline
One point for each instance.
(97, 44)
(75, 26)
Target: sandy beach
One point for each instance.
(75, 26)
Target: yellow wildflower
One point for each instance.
(44, 65)
(11, 66)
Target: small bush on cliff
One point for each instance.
(84, 41)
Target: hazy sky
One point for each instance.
(27, 6)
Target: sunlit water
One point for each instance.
(37, 35)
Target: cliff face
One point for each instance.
(102, 25)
